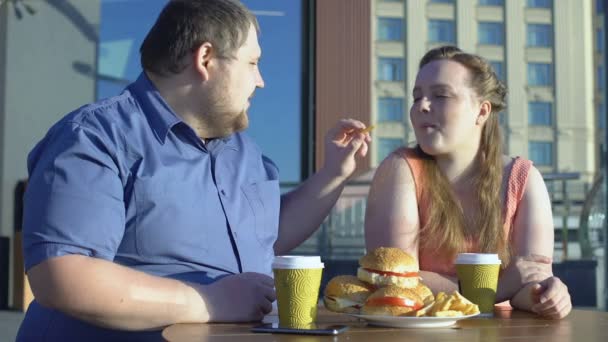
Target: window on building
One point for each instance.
(442, 31)
(390, 29)
(390, 109)
(540, 3)
(601, 115)
(388, 145)
(601, 78)
(539, 35)
(540, 74)
(498, 69)
(442, 1)
(390, 69)
(599, 6)
(540, 113)
(599, 39)
(541, 152)
(491, 2)
(491, 33)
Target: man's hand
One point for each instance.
(342, 143)
(548, 298)
(521, 271)
(242, 297)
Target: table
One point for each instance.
(579, 326)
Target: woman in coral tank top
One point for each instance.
(456, 192)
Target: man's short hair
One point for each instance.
(184, 25)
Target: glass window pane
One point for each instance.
(390, 69)
(491, 2)
(498, 69)
(540, 113)
(599, 39)
(443, 1)
(601, 115)
(601, 77)
(540, 74)
(276, 112)
(124, 24)
(390, 109)
(442, 31)
(539, 35)
(491, 33)
(388, 145)
(541, 153)
(390, 28)
(539, 3)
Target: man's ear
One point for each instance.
(485, 109)
(202, 56)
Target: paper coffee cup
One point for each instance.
(478, 278)
(297, 280)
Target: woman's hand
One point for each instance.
(548, 298)
(521, 271)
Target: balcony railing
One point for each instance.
(341, 236)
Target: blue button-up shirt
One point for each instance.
(126, 180)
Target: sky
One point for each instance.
(275, 112)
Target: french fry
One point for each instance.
(452, 305)
(448, 313)
(367, 129)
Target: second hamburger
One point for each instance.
(389, 266)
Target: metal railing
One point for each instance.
(341, 236)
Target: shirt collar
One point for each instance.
(157, 111)
(161, 117)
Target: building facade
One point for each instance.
(542, 49)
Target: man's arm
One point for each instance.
(113, 296)
(304, 209)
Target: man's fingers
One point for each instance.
(269, 293)
(259, 277)
(362, 151)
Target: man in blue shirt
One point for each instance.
(153, 207)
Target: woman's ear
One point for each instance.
(202, 56)
(485, 109)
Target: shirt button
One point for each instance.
(223, 192)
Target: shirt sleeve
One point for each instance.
(74, 199)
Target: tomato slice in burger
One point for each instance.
(394, 301)
(386, 273)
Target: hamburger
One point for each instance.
(389, 266)
(393, 301)
(346, 293)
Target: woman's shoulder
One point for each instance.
(518, 173)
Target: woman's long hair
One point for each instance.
(446, 229)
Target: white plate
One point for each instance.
(411, 322)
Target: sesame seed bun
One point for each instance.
(389, 259)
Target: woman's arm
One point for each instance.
(532, 251)
(391, 217)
